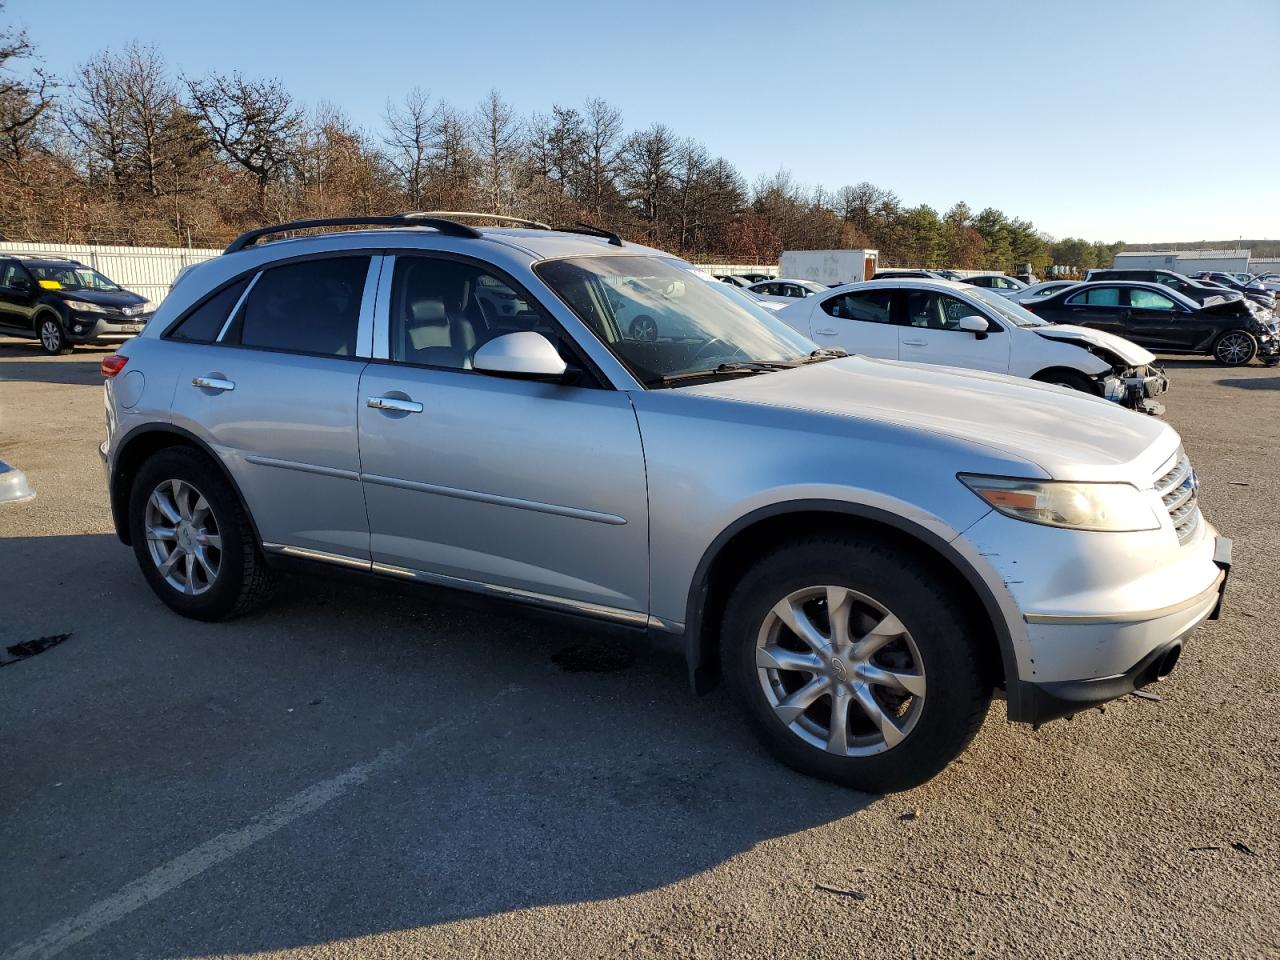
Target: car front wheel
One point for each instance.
(1235, 348)
(193, 540)
(52, 337)
(854, 663)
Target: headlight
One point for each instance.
(147, 306)
(1112, 507)
(81, 307)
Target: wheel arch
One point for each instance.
(136, 447)
(1072, 373)
(771, 526)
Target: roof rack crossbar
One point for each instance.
(448, 227)
(590, 231)
(524, 222)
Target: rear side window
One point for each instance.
(203, 324)
(872, 306)
(308, 307)
(1098, 297)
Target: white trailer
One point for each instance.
(828, 266)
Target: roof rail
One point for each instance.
(448, 227)
(535, 224)
(589, 230)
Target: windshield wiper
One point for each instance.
(825, 353)
(735, 368)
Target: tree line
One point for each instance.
(126, 151)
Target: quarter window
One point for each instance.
(1097, 297)
(873, 307)
(204, 323)
(312, 306)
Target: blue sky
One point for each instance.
(1112, 121)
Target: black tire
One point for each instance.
(244, 581)
(52, 336)
(1068, 378)
(947, 642)
(1235, 348)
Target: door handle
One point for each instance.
(915, 343)
(219, 384)
(826, 332)
(394, 404)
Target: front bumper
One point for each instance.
(91, 328)
(1158, 635)
(1137, 389)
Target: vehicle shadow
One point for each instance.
(24, 361)
(517, 784)
(1245, 383)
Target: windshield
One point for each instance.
(662, 320)
(1007, 309)
(71, 278)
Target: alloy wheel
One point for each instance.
(840, 671)
(182, 537)
(1234, 348)
(50, 335)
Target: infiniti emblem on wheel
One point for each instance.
(837, 667)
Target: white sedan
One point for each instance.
(786, 291)
(939, 321)
(1040, 290)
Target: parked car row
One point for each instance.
(863, 550)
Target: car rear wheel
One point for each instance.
(52, 337)
(193, 540)
(854, 663)
(1235, 348)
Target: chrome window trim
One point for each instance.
(381, 330)
(226, 324)
(368, 304)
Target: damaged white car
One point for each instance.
(939, 321)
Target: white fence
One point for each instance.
(144, 270)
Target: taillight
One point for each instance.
(112, 364)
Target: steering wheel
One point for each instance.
(643, 327)
(707, 350)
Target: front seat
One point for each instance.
(434, 339)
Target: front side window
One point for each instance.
(1097, 297)
(690, 326)
(936, 311)
(1149, 300)
(873, 306)
(442, 310)
(312, 306)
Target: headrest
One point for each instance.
(427, 310)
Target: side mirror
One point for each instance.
(522, 354)
(976, 325)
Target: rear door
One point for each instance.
(1156, 320)
(18, 294)
(860, 321)
(929, 332)
(512, 485)
(273, 388)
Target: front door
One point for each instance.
(929, 332)
(1155, 320)
(531, 487)
(276, 397)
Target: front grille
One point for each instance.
(1177, 488)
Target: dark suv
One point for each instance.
(62, 303)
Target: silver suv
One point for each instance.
(864, 550)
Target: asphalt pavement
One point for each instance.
(359, 772)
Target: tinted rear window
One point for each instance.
(307, 307)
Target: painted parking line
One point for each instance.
(67, 933)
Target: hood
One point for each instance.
(1128, 351)
(1068, 434)
(103, 298)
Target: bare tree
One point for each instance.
(255, 124)
(451, 164)
(600, 166)
(150, 99)
(408, 140)
(95, 118)
(23, 101)
(496, 136)
(648, 157)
